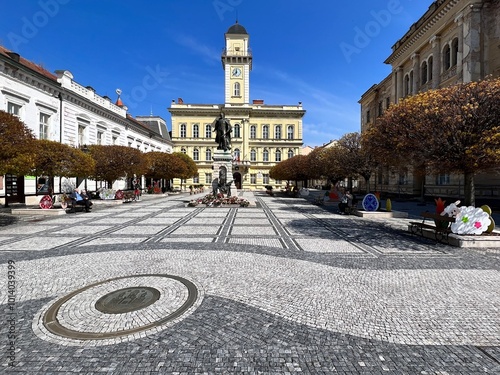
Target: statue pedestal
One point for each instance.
(223, 168)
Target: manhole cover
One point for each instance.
(127, 300)
(119, 307)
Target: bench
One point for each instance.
(441, 227)
(73, 206)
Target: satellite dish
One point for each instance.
(118, 91)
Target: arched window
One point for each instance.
(236, 133)
(183, 150)
(407, 85)
(277, 155)
(236, 154)
(253, 132)
(446, 57)
(454, 52)
(183, 131)
(265, 131)
(196, 131)
(430, 62)
(424, 72)
(289, 132)
(236, 91)
(290, 154)
(208, 154)
(208, 131)
(265, 155)
(196, 154)
(277, 132)
(253, 155)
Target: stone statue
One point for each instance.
(223, 131)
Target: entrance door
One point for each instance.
(14, 189)
(237, 180)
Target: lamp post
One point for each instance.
(86, 150)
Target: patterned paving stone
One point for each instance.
(319, 245)
(319, 293)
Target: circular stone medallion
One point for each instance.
(127, 300)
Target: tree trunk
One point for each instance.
(469, 189)
(367, 183)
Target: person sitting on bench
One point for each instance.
(81, 200)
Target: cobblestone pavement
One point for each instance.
(283, 287)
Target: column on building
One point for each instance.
(416, 73)
(472, 44)
(399, 83)
(460, 55)
(436, 57)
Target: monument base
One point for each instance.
(223, 169)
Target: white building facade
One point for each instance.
(57, 108)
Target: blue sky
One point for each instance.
(323, 53)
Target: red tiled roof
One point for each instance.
(30, 65)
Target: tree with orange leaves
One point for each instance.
(453, 129)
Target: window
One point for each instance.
(14, 109)
(208, 178)
(236, 91)
(236, 154)
(99, 138)
(277, 132)
(290, 154)
(183, 150)
(424, 72)
(208, 131)
(253, 132)
(407, 85)
(196, 131)
(387, 102)
(44, 126)
(289, 132)
(236, 133)
(196, 154)
(265, 131)
(81, 135)
(253, 155)
(443, 179)
(114, 139)
(265, 178)
(253, 178)
(430, 62)
(277, 155)
(208, 154)
(368, 119)
(454, 52)
(380, 109)
(265, 155)
(446, 57)
(183, 131)
(196, 179)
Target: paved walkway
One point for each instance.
(279, 288)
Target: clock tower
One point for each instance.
(237, 64)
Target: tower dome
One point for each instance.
(237, 29)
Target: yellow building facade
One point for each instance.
(455, 41)
(262, 135)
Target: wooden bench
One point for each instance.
(441, 227)
(73, 206)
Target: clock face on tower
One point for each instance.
(236, 72)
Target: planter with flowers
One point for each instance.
(219, 201)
